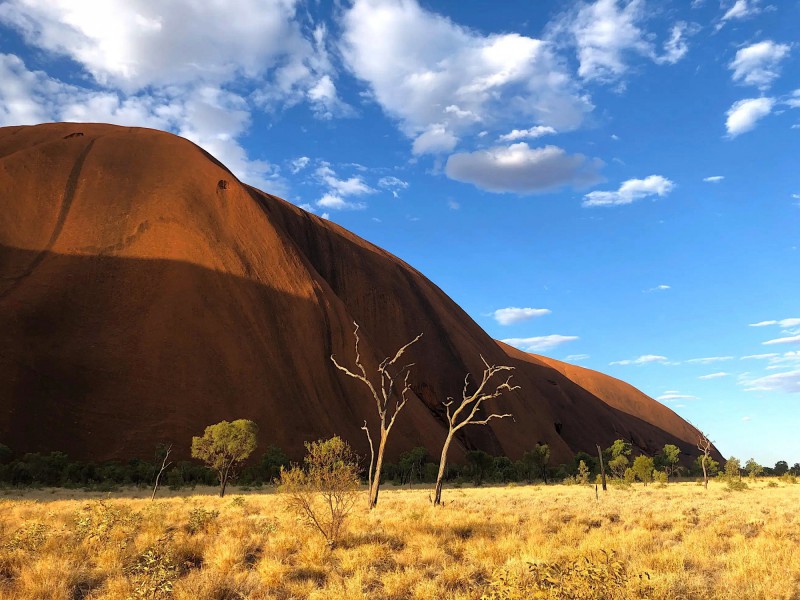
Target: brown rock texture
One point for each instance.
(146, 293)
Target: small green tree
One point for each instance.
(643, 468)
(583, 473)
(324, 490)
(733, 469)
(481, 465)
(669, 458)
(619, 452)
(781, 468)
(411, 463)
(224, 446)
(536, 462)
(753, 468)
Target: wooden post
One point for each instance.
(602, 467)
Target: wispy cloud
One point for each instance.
(714, 375)
(673, 395)
(788, 382)
(524, 134)
(644, 359)
(659, 288)
(784, 323)
(792, 339)
(540, 343)
(714, 178)
(512, 314)
(709, 359)
(576, 357)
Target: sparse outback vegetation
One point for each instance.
(667, 543)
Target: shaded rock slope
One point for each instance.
(145, 293)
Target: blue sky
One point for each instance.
(610, 183)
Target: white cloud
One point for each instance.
(667, 396)
(744, 114)
(714, 375)
(659, 288)
(298, 164)
(540, 343)
(759, 356)
(523, 134)
(453, 205)
(458, 77)
(759, 64)
(709, 359)
(512, 314)
(436, 139)
(676, 47)
(576, 357)
(714, 178)
(134, 44)
(605, 34)
(783, 323)
(335, 202)
(788, 382)
(392, 182)
(521, 169)
(747, 419)
(630, 191)
(353, 186)
(741, 9)
(783, 340)
(641, 360)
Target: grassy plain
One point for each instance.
(691, 542)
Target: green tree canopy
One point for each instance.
(643, 468)
(224, 446)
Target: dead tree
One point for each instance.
(382, 394)
(164, 465)
(704, 445)
(468, 413)
(602, 466)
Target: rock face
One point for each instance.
(146, 293)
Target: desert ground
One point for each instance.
(527, 541)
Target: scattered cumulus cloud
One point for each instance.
(540, 343)
(335, 202)
(740, 9)
(659, 288)
(523, 170)
(512, 314)
(714, 375)
(644, 359)
(714, 178)
(676, 47)
(759, 64)
(526, 134)
(743, 115)
(298, 164)
(631, 191)
(460, 79)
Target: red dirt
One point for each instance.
(146, 293)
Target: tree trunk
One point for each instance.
(602, 467)
(376, 476)
(437, 500)
(705, 473)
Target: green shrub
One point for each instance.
(154, 572)
(200, 519)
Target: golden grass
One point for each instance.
(693, 543)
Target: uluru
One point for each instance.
(145, 292)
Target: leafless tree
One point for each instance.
(164, 465)
(382, 393)
(704, 445)
(468, 412)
